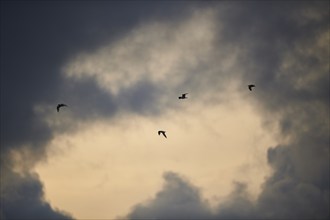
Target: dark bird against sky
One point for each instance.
(162, 132)
(251, 86)
(183, 96)
(59, 106)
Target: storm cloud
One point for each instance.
(185, 200)
(105, 59)
(22, 197)
(284, 51)
(36, 41)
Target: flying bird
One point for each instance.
(162, 132)
(183, 96)
(251, 86)
(59, 106)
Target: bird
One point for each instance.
(59, 106)
(183, 96)
(162, 132)
(251, 86)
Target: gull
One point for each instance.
(59, 106)
(183, 96)
(162, 132)
(250, 87)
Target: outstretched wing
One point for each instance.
(250, 87)
(162, 132)
(183, 96)
(59, 106)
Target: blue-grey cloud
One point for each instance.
(22, 197)
(284, 50)
(37, 38)
(282, 47)
(177, 200)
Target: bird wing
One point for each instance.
(162, 132)
(59, 106)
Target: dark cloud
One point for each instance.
(288, 193)
(284, 50)
(237, 205)
(22, 197)
(142, 98)
(87, 101)
(177, 200)
(37, 39)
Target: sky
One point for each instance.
(230, 153)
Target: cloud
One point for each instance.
(177, 200)
(31, 85)
(292, 192)
(31, 74)
(160, 54)
(215, 51)
(22, 197)
(281, 47)
(287, 58)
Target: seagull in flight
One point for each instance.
(162, 132)
(59, 106)
(183, 96)
(251, 86)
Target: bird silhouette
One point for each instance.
(183, 96)
(251, 86)
(162, 132)
(59, 106)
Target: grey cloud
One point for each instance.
(22, 197)
(177, 200)
(37, 38)
(237, 205)
(288, 198)
(142, 98)
(282, 199)
(87, 101)
(284, 50)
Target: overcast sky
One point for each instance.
(230, 153)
